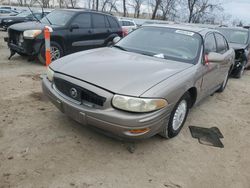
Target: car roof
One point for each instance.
(233, 28)
(201, 30)
(84, 10)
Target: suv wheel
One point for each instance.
(56, 52)
(178, 117)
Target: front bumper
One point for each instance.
(111, 121)
(30, 47)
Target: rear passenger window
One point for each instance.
(98, 21)
(83, 20)
(113, 23)
(221, 43)
(210, 44)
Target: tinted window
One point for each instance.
(167, 43)
(210, 44)
(113, 22)
(221, 44)
(98, 21)
(83, 20)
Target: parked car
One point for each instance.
(239, 40)
(142, 85)
(127, 25)
(7, 12)
(73, 30)
(26, 16)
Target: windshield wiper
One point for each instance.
(33, 14)
(119, 47)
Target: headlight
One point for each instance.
(7, 20)
(30, 34)
(50, 74)
(134, 104)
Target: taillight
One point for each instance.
(124, 32)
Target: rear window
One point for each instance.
(99, 21)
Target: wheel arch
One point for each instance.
(60, 41)
(193, 95)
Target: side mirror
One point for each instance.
(116, 39)
(214, 57)
(73, 26)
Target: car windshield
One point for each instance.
(167, 43)
(235, 36)
(58, 17)
(24, 14)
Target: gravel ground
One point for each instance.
(40, 147)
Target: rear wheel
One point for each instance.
(56, 52)
(178, 117)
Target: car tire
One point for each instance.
(109, 44)
(22, 54)
(54, 47)
(241, 71)
(178, 117)
(224, 84)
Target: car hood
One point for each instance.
(6, 17)
(29, 26)
(236, 46)
(118, 71)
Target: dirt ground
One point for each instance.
(41, 147)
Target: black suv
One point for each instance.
(73, 30)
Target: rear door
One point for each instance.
(80, 33)
(101, 29)
(223, 49)
(209, 70)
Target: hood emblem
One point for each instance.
(73, 92)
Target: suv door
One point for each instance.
(101, 29)
(209, 70)
(80, 33)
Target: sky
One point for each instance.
(238, 9)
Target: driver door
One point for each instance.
(80, 33)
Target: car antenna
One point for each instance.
(43, 13)
(33, 14)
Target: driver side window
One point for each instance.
(83, 20)
(210, 44)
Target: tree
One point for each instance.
(168, 8)
(156, 7)
(136, 4)
(124, 8)
(198, 8)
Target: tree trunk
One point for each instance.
(158, 2)
(124, 8)
(97, 4)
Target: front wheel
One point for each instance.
(56, 52)
(178, 117)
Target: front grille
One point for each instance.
(83, 94)
(14, 36)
